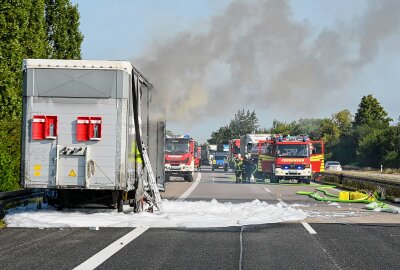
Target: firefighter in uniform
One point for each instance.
(238, 170)
(246, 170)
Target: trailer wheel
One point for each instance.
(2, 212)
(120, 202)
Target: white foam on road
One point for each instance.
(178, 214)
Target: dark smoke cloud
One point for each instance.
(255, 54)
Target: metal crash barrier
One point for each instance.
(17, 196)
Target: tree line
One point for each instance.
(367, 139)
(28, 29)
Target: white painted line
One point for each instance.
(268, 190)
(190, 190)
(308, 228)
(241, 248)
(283, 203)
(113, 248)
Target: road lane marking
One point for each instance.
(308, 228)
(110, 250)
(190, 190)
(268, 190)
(241, 248)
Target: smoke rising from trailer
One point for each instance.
(255, 54)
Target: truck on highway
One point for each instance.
(292, 157)
(180, 156)
(249, 150)
(220, 161)
(81, 131)
(212, 149)
(205, 154)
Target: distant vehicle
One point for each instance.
(220, 162)
(333, 166)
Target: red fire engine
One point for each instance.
(293, 157)
(180, 156)
(234, 151)
(197, 161)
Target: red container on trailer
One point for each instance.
(38, 127)
(51, 127)
(95, 128)
(82, 128)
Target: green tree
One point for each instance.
(281, 127)
(370, 151)
(21, 35)
(221, 136)
(63, 35)
(343, 120)
(243, 123)
(371, 113)
(309, 126)
(24, 33)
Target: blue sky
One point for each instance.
(126, 29)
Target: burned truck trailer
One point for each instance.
(81, 129)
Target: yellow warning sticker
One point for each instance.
(72, 173)
(37, 167)
(36, 173)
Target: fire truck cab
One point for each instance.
(293, 157)
(180, 156)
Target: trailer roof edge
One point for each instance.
(85, 64)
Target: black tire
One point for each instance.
(167, 178)
(186, 177)
(190, 177)
(120, 202)
(225, 168)
(2, 212)
(213, 169)
(274, 179)
(307, 181)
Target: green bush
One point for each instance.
(10, 154)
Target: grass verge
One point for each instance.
(2, 224)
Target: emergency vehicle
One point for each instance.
(292, 157)
(234, 151)
(180, 156)
(197, 161)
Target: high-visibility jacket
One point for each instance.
(238, 165)
(135, 153)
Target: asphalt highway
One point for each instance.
(334, 236)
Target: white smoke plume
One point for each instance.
(255, 53)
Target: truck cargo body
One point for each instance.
(205, 155)
(79, 131)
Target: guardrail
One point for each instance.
(389, 187)
(17, 196)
